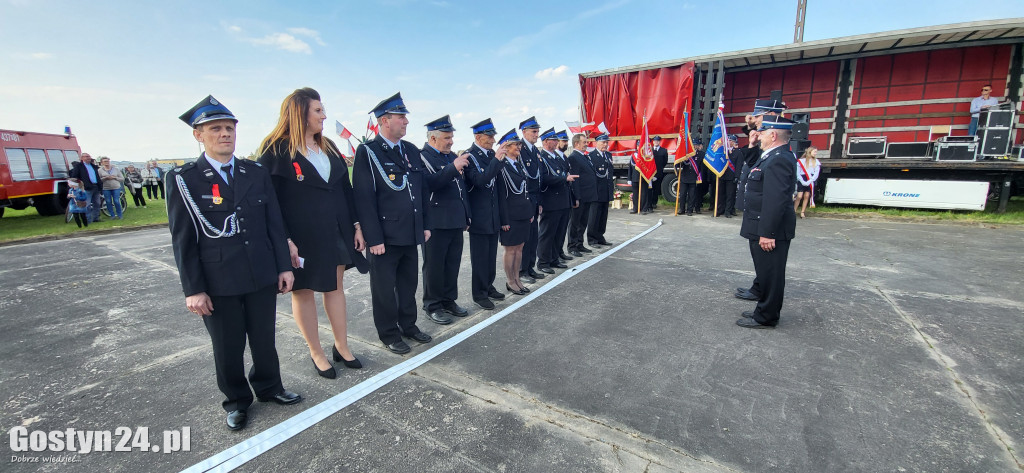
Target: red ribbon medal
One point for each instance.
(298, 172)
(217, 199)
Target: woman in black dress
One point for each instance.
(515, 209)
(324, 240)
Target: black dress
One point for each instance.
(318, 215)
(514, 203)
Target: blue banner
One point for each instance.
(715, 158)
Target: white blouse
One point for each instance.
(812, 170)
(320, 162)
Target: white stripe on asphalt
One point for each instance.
(242, 452)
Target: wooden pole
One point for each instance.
(679, 180)
(717, 178)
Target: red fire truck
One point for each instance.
(34, 170)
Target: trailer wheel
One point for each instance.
(49, 205)
(668, 187)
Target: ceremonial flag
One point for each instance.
(371, 129)
(643, 160)
(342, 131)
(716, 158)
(685, 147)
(595, 128)
(574, 127)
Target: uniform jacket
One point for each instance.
(318, 215)
(730, 172)
(530, 160)
(584, 188)
(248, 261)
(449, 202)
(768, 208)
(390, 192)
(513, 206)
(555, 190)
(688, 175)
(481, 175)
(602, 163)
(660, 161)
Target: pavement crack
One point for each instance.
(418, 433)
(958, 383)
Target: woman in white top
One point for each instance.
(112, 184)
(807, 169)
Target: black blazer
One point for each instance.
(689, 175)
(78, 172)
(730, 168)
(555, 190)
(768, 208)
(602, 163)
(390, 193)
(584, 188)
(530, 160)
(318, 215)
(481, 175)
(513, 206)
(449, 203)
(246, 262)
(660, 160)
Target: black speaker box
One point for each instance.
(995, 141)
(909, 150)
(866, 147)
(799, 146)
(956, 151)
(995, 118)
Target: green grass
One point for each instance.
(20, 224)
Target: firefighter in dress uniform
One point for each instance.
(533, 168)
(601, 160)
(483, 168)
(556, 200)
(231, 251)
(388, 182)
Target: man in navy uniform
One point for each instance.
(556, 200)
(726, 195)
(391, 192)
(448, 218)
(533, 168)
(660, 161)
(689, 174)
(769, 222)
(232, 256)
(597, 221)
(762, 108)
(584, 192)
(484, 166)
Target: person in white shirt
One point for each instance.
(984, 102)
(807, 170)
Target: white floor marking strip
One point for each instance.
(242, 452)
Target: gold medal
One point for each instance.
(391, 176)
(218, 200)
(300, 177)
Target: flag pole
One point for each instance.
(717, 178)
(679, 180)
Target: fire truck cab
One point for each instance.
(34, 169)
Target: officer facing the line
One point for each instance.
(597, 222)
(232, 255)
(447, 220)
(387, 178)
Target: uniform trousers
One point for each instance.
(552, 236)
(483, 254)
(234, 319)
(688, 197)
(578, 225)
(597, 222)
(442, 255)
(530, 248)
(770, 268)
(646, 195)
(727, 197)
(393, 278)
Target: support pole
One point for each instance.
(679, 181)
(716, 196)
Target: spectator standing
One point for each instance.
(80, 202)
(807, 169)
(151, 180)
(133, 183)
(113, 182)
(88, 175)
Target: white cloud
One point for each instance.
(283, 41)
(551, 72)
(234, 28)
(313, 34)
(32, 56)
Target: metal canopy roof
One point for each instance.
(1010, 30)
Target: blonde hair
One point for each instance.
(809, 155)
(291, 126)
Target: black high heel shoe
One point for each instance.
(514, 291)
(354, 364)
(329, 373)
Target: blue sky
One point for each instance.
(120, 72)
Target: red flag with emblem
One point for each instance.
(643, 160)
(685, 148)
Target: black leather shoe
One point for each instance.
(353, 363)
(525, 277)
(728, 215)
(751, 323)
(399, 347)
(284, 398)
(560, 265)
(456, 310)
(606, 243)
(329, 373)
(746, 295)
(495, 295)
(585, 249)
(547, 270)
(237, 419)
(690, 214)
(420, 337)
(514, 291)
(741, 289)
(485, 304)
(748, 314)
(439, 317)
(535, 275)
(565, 257)
(576, 253)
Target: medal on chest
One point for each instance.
(298, 172)
(217, 199)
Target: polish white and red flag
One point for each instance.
(342, 131)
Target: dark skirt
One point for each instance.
(318, 274)
(518, 232)
(802, 188)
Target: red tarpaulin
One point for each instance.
(620, 100)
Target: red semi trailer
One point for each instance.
(907, 87)
(34, 170)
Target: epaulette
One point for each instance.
(184, 167)
(247, 162)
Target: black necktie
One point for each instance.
(227, 171)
